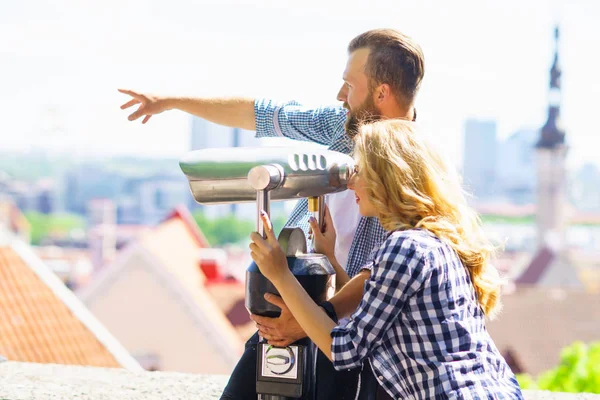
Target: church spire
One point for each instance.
(552, 133)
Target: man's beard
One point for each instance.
(365, 113)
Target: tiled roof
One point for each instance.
(551, 269)
(539, 264)
(15, 221)
(42, 321)
(537, 323)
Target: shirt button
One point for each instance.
(380, 377)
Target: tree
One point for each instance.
(229, 229)
(578, 371)
(43, 226)
(223, 230)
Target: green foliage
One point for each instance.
(278, 223)
(526, 382)
(501, 219)
(43, 226)
(521, 220)
(229, 229)
(578, 371)
(224, 230)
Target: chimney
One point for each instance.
(211, 262)
(102, 232)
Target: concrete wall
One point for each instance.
(23, 381)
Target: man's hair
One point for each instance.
(394, 59)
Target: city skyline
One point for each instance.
(62, 72)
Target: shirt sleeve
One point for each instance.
(370, 260)
(399, 270)
(321, 125)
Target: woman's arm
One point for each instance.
(272, 262)
(347, 299)
(312, 318)
(341, 276)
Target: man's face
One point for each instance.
(355, 93)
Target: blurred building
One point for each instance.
(537, 323)
(516, 167)
(153, 298)
(85, 182)
(13, 221)
(479, 166)
(205, 134)
(551, 151)
(552, 265)
(147, 200)
(39, 196)
(102, 232)
(42, 320)
(549, 305)
(585, 188)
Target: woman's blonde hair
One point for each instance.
(412, 186)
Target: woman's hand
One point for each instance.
(324, 241)
(268, 254)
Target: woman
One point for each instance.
(420, 327)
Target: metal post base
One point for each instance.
(273, 397)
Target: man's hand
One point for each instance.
(324, 241)
(149, 105)
(281, 331)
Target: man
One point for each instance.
(381, 80)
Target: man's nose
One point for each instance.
(342, 94)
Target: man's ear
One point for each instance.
(382, 93)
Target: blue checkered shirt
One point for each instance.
(323, 125)
(421, 327)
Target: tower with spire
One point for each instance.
(551, 152)
(551, 265)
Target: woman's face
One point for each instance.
(363, 200)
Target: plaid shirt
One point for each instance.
(323, 125)
(421, 327)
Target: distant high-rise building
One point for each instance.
(479, 167)
(91, 181)
(586, 188)
(205, 134)
(516, 167)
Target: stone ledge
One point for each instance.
(24, 381)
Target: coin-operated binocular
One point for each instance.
(236, 175)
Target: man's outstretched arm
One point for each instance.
(236, 112)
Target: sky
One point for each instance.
(63, 61)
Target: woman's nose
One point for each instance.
(352, 182)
